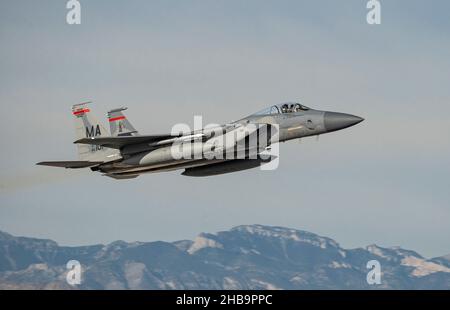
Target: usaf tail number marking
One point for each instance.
(94, 132)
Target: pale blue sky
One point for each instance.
(384, 181)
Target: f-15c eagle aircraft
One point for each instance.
(125, 154)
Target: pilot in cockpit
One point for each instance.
(293, 107)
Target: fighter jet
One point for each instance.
(239, 145)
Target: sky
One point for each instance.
(384, 181)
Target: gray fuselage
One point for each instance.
(291, 124)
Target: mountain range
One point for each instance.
(244, 257)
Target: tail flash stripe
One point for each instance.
(81, 111)
(116, 118)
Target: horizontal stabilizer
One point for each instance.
(72, 164)
(120, 142)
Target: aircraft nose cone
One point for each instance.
(335, 121)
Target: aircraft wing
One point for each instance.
(72, 164)
(121, 141)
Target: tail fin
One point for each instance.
(119, 124)
(87, 126)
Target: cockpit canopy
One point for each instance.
(289, 107)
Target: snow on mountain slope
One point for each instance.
(244, 257)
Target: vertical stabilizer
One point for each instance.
(119, 125)
(87, 126)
